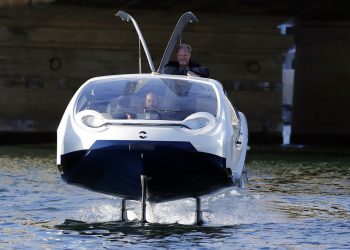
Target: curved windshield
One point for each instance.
(147, 98)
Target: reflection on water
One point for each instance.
(312, 184)
(149, 230)
(295, 199)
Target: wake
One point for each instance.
(231, 206)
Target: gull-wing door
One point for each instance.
(126, 17)
(188, 17)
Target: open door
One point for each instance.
(126, 17)
(188, 17)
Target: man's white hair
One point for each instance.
(184, 46)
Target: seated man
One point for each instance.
(151, 101)
(150, 108)
(184, 65)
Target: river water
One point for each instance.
(296, 198)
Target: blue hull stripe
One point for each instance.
(174, 169)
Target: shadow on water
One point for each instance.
(306, 170)
(29, 150)
(119, 229)
(302, 176)
(303, 182)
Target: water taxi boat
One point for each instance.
(188, 142)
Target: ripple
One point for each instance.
(292, 201)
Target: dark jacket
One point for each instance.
(174, 68)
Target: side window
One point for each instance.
(207, 104)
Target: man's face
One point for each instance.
(183, 57)
(151, 101)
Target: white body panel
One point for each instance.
(227, 138)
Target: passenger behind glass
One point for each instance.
(150, 108)
(151, 101)
(118, 108)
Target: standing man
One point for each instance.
(184, 65)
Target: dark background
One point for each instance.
(49, 48)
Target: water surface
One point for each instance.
(295, 199)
